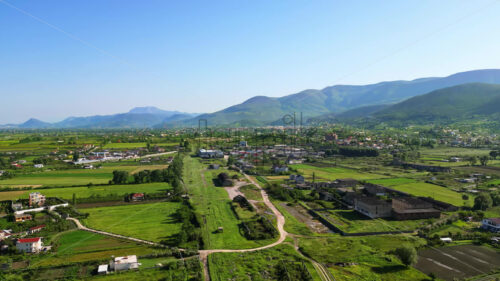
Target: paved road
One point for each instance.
(280, 223)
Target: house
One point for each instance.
(2, 172)
(5, 234)
(327, 196)
(409, 208)
(446, 239)
(124, 263)
(454, 159)
(209, 153)
(297, 178)
(88, 167)
(375, 190)
(36, 198)
(280, 169)
(213, 166)
(372, 207)
(348, 182)
(102, 269)
(38, 166)
(492, 224)
(36, 229)
(137, 197)
(243, 143)
(17, 206)
(29, 245)
(22, 217)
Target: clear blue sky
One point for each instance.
(202, 56)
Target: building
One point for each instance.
(36, 229)
(209, 153)
(124, 263)
(409, 208)
(280, 169)
(243, 143)
(5, 234)
(492, 224)
(372, 207)
(36, 199)
(375, 190)
(297, 178)
(22, 217)
(348, 182)
(38, 166)
(137, 197)
(29, 245)
(102, 269)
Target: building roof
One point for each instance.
(102, 268)
(37, 227)
(29, 240)
(495, 220)
(21, 215)
(138, 195)
(126, 259)
(371, 201)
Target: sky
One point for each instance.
(95, 57)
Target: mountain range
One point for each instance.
(386, 101)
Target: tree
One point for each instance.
(407, 254)
(120, 177)
(76, 155)
(472, 160)
(484, 160)
(483, 201)
(494, 154)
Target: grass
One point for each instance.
(352, 222)
(70, 177)
(369, 256)
(152, 222)
(292, 224)
(214, 207)
(435, 191)
(251, 192)
(332, 173)
(393, 181)
(80, 246)
(260, 265)
(85, 191)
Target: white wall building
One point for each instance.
(124, 263)
(29, 245)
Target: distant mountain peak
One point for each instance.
(147, 110)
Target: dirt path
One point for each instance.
(280, 223)
(82, 227)
(234, 191)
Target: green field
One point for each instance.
(70, 177)
(260, 265)
(435, 191)
(369, 255)
(152, 222)
(85, 191)
(79, 246)
(214, 207)
(333, 173)
(393, 181)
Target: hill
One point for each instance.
(261, 110)
(451, 104)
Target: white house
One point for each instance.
(492, 224)
(124, 263)
(38, 166)
(29, 245)
(102, 269)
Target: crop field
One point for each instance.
(332, 173)
(260, 265)
(458, 261)
(152, 222)
(369, 255)
(86, 191)
(79, 246)
(352, 222)
(70, 177)
(214, 207)
(435, 191)
(132, 145)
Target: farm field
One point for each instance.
(261, 265)
(79, 246)
(133, 145)
(86, 192)
(214, 207)
(351, 221)
(458, 261)
(368, 253)
(70, 177)
(427, 190)
(333, 173)
(152, 222)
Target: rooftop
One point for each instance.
(126, 259)
(29, 240)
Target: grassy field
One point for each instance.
(79, 246)
(369, 255)
(332, 173)
(152, 222)
(214, 206)
(393, 181)
(132, 145)
(260, 265)
(66, 177)
(85, 191)
(251, 192)
(435, 191)
(352, 222)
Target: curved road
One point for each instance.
(280, 219)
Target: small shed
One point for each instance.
(102, 269)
